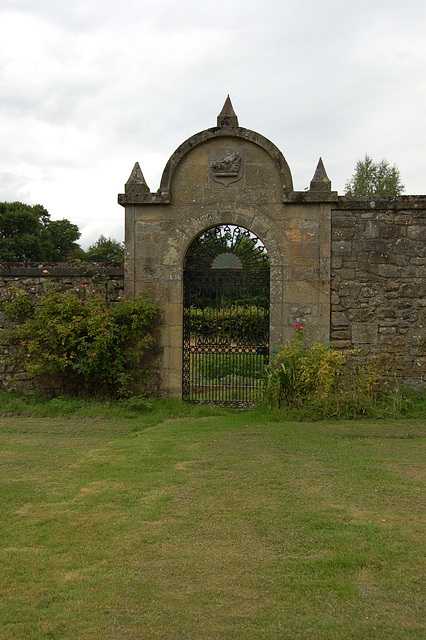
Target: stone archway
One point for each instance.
(234, 176)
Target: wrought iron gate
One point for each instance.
(226, 317)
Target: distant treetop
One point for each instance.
(374, 179)
(105, 250)
(28, 235)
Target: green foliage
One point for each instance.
(324, 380)
(401, 402)
(105, 250)
(63, 236)
(226, 239)
(78, 335)
(374, 179)
(28, 234)
(217, 366)
(245, 322)
(230, 245)
(19, 305)
(104, 410)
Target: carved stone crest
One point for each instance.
(226, 165)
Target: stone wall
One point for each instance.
(35, 279)
(378, 279)
(352, 271)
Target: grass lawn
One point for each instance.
(234, 526)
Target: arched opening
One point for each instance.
(226, 317)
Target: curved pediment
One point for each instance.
(226, 167)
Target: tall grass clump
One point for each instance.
(320, 381)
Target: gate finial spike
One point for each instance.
(320, 181)
(227, 117)
(136, 182)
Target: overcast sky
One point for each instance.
(89, 87)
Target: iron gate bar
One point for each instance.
(211, 349)
(226, 318)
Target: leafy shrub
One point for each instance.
(324, 380)
(77, 335)
(18, 305)
(248, 323)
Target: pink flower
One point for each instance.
(45, 272)
(296, 326)
(300, 328)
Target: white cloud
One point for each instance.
(88, 88)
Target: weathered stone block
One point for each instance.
(364, 333)
(388, 270)
(303, 273)
(416, 232)
(347, 274)
(173, 313)
(260, 195)
(336, 262)
(381, 257)
(261, 176)
(339, 319)
(294, 235)
(392, 231)
(341, 344)
(340, 247)
(372, 230)
(188, 195)
(342, 233)
(304, 250)
(340, 335)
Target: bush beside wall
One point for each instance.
(35, 279)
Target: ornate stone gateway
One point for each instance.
(226, 317)
(187, 244)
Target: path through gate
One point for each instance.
(226, 317)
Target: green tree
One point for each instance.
(63, 236)
(27, 234)
(224, 239)
(237, 250)
(105, 250)
(374, 179)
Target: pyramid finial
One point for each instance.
(227, 117)
(320, 181)
(136, 182)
